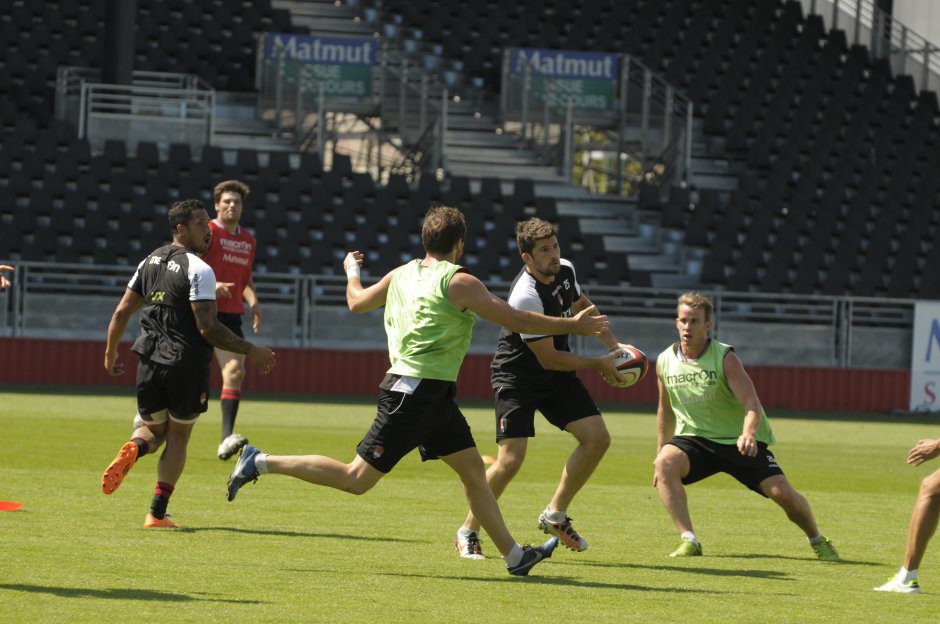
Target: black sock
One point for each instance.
(230, 400)
(142, 447)
(161, 496)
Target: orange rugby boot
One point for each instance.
(124, 461)
(152, 522)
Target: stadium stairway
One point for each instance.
(477, 150)
(325, 17)
(237, 125)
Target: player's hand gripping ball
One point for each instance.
(632, 366)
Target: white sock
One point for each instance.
(261, 463)
(689, 536)
(464, 532)
(815, 540)
(514, 557)
(905, 575)
(555, 517)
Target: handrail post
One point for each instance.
(82, 109)
(423, 104)
(876, 34)
(645, 115)
(546, 96)
(443, 131)
(569, 140)
(667, 116)
(524, 112)
(688, 143)
(383, 70)
(298, 108)
(211, 137)
(506, 86)
(925, 84)
(321, 121)
(401, 96)
(858, 21)
(902, 58)
(279, 95)
(622, 125)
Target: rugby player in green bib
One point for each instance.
(430, 308)
(710, 420)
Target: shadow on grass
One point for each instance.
(365, 538)
(118, 594)
(763, 574)
(842, 562)
(537, 580)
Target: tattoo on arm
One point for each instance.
(215, 333)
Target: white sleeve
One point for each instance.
(576, 285)
(201, 280)
(134, 282)
(524, 297)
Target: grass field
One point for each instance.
(286, 551)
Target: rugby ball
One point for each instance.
(632, 364)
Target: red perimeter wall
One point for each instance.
(336, 372)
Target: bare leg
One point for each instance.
(672, 464)
(792, 502)
(356, 477)
(923, 520)
(593, 442)
(171, 462)
(153, 435)
(469, 467)
(508, 462)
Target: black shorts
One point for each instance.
(232, 321)
(562, 405)
(427, 419)
(707, 458)
(184, 391)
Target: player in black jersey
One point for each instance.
(175, 292)
(537, 372)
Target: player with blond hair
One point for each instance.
(710, 420)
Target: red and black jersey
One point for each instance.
(231, 256)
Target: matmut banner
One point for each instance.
(322, 50)
(589, 79)
(341, 65)
(925, 357)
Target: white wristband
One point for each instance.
(353, 270)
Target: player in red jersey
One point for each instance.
(231, 255)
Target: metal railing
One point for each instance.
(650, 121)
(886, 37)
(75, 300)
(398, 120)
(156, 106)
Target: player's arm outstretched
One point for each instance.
(552, 359)
(221, 337)
(607, 337)
(466, 291)
(361, 299)
(922, 451)
(743, 388)
(129, 303)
